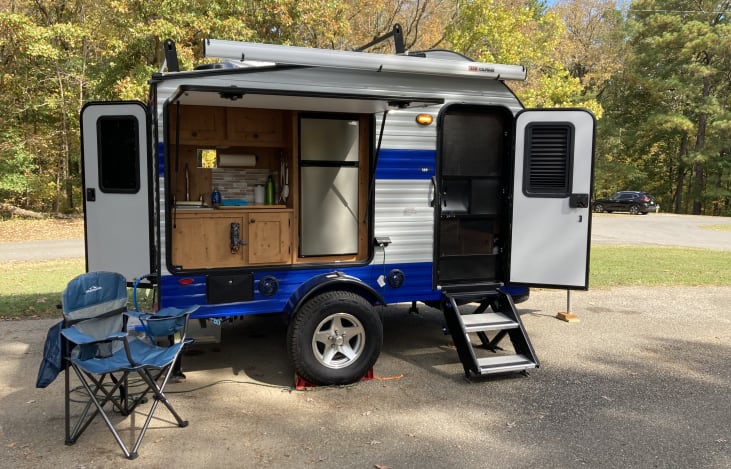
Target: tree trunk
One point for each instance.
(700, 141)
(680, 181)
(17, 211)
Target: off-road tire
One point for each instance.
(334, 338)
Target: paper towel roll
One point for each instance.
(236, 161)
(259, 195)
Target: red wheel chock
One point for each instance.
(300, 383)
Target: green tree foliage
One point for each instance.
(658, 74)
(42, 69)
(519, 32)
(670, 106)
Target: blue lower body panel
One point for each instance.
(400, 283)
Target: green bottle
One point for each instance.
(269, 191)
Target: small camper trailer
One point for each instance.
(321, 184)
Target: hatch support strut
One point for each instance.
(398, 38)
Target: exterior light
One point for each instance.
(424, 119)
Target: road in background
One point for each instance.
(42, 250)
(661, 229)
(658, 229)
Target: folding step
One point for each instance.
(502, 318)
(504, 364)
(487, 322)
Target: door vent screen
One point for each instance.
(548, 159)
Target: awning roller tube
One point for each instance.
(291, 55)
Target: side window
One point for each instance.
(548, 159)
(118, 145)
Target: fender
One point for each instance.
(330, 282)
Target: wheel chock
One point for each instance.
(301, 384)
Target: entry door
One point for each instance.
(551, 219)
(471, 219)
(116, 183)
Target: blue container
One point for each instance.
(215, 197)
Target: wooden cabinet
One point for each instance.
(200, 125)
(201, 239)
(218, 126)
(270, 237)
(255, 127)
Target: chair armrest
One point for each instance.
(165, 322)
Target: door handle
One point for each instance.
(91, 194)
(432, 191)
(578, 200)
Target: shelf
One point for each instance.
(249, 207)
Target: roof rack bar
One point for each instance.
(291, 55)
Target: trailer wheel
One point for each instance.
(335, 338)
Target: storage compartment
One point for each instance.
(229, 288)
(477, 139)
(485, 196)
(467, 236)
(456, 196)
(255, 127)
(202, 239)
(206, 239)
(471, 268)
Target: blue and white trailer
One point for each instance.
(413, 177)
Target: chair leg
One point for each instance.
(100, 411)
(158, 397)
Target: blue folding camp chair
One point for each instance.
(105, 356)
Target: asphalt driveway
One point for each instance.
(642, 381)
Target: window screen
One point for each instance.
(119, 148)
(548, 159)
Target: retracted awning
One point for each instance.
(291, 55)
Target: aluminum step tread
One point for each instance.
(487, 322)
(504, 363)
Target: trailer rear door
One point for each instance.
(116, 184)
(551, 219)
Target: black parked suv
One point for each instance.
(633, 202)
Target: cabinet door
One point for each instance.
(270, 237)
(200, 125)
(255, 127)
(203, 242)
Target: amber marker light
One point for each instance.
(424, 119)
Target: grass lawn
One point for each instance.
(654, 266)
(33, 289)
